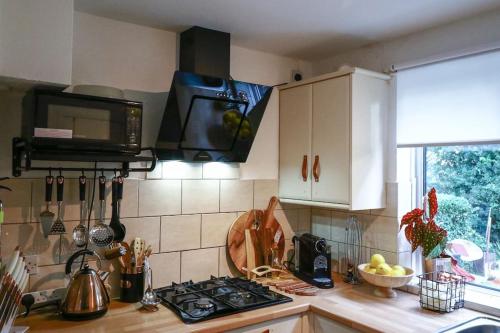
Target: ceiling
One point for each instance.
(309, 30)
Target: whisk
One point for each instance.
(353, 250)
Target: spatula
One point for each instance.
(47, 217)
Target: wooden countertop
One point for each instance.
(354, 306)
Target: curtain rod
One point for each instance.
(446, 56)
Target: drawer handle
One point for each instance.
(304, 168)
(266, 331)
(316, 168)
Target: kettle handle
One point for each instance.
(80, 253)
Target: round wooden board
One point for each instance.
(236, 238)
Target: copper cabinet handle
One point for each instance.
(316, 168)
(304, 168)
(266, 331)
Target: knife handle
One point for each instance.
(60, 188)
(114, 189)
(102, 187)
(49, 180)
(82, 182)
(119, 189)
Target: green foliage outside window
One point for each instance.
(467, 180)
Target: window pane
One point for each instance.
(467, 180)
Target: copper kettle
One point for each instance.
(86, 295)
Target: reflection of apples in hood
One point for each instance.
(231, 121)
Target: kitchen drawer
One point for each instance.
(291, 324)
(325, 325)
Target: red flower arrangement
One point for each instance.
(422, 230)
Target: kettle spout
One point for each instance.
(103, 275)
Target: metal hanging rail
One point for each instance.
(23, 150)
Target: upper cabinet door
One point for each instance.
(295, 142)
(331, 140)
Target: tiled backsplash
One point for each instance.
(184, 213)
(380, 229)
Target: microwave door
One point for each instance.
(85, 123)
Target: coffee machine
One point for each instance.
(313, 260)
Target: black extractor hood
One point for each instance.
(209, 116)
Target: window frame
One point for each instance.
(479, 298)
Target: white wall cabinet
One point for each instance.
(332, 140)
(291, 324)
(36, 40)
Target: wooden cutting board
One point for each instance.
(236, 237)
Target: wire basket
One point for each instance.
(441, 291)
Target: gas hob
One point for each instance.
(217, 297)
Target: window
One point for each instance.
(448, 117)
(467, 180)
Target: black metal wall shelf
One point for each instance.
(21, 149)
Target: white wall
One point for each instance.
(130, 56)
(476, 32)
(122, 55)
(35, 39)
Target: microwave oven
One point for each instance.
(69, 122)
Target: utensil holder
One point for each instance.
(131, 286)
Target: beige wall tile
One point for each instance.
(159, 197)
(182, 170)
(380, 232)
(17, 204)
(321, 222)
(147, 228)
(166, 268)
(48, 277)
(236, 195)
(339, 221)
(180, 232)
(288, 219)
(200, 196)
(214, 228)
(263, 191)
(31, 241)
(304, 220)
(199, 264)
(130, 203)
(216, 170)
(226, 266)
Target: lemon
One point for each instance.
(376, 260)
(370, 270)
(399, 269)
(383, 269)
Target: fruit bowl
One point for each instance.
(385, 283)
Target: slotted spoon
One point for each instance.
(58, 226)
(101, 234)
(80, 235)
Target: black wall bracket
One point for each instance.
(22, 150)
